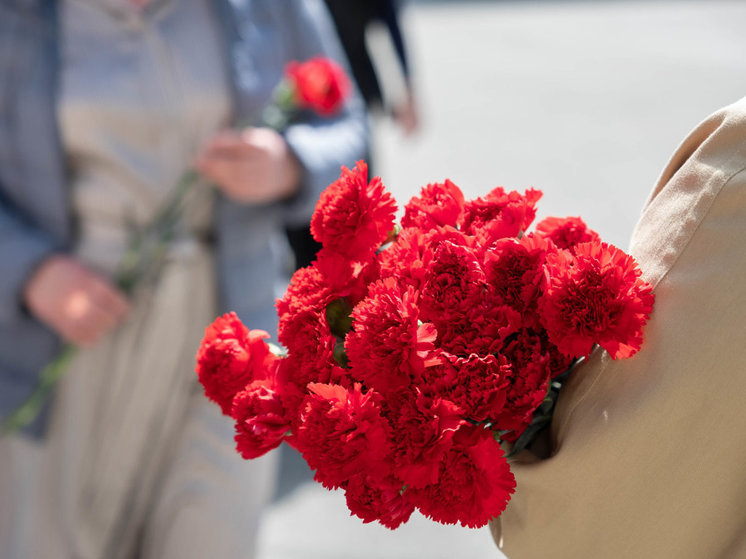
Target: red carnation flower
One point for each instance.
(308, 290)
(481, 330)
(310, 344)
(341, 433)
(424, 427)
(437, 236)
(230, 357)
(381, 500)
(407, 258)
(353, 217)
(500, 214)
(477, 385)
(319, 84)
(412, 254)
(595, 296)
(388, 346)
(439, 204)
(262, 418)
(344, 277)
(566, 232)
(514, 270)
(527, 376)
(452, 284)
(474, 482)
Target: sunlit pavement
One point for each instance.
(583, 100)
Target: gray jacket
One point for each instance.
(260, 36)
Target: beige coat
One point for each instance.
(649, 455)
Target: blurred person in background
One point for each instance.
(352, 19)
(645, 457)
(104, 104)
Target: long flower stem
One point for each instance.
(50, 374)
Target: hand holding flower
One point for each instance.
(254, 166)
(77, 303)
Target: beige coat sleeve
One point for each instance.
(649, 453)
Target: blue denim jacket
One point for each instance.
(260, 37)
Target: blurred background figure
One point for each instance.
(354, 20)
(104, 105)
(385, 82)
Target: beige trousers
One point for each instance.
(137, 462)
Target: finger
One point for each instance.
(253, 135)
(109, 299)
(82, 331)
(78, 337)
(100, 320)
(226, 144)
(94, 325)
(214, 170)
(225, 137)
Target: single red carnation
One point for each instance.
(527, 376)
(388, 346)
(500, 214)
(439, 235)
(476, 384)
(439, 204)
(310, 344)
(344, 277)
(319, 84)
(412, 254)
(514, 270)
(595, 296)
(230, 357)
(262, 418)
(474, 482)
(341, 433)
(407, 258)
(307, 290)
(424, 427)
(481, 331)
(453, 283)
(354, 217)
(566, 232)
(381, 500)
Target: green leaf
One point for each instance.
(338, 317)
(339, 353)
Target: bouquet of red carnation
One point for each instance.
(414, 351)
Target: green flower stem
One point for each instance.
(135, 262)
(50, 374)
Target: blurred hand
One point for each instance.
(406, 115)
(77, 303)
(254, 166)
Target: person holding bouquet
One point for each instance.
(646, 455)
(105, 104)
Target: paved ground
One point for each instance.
(584, 100)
